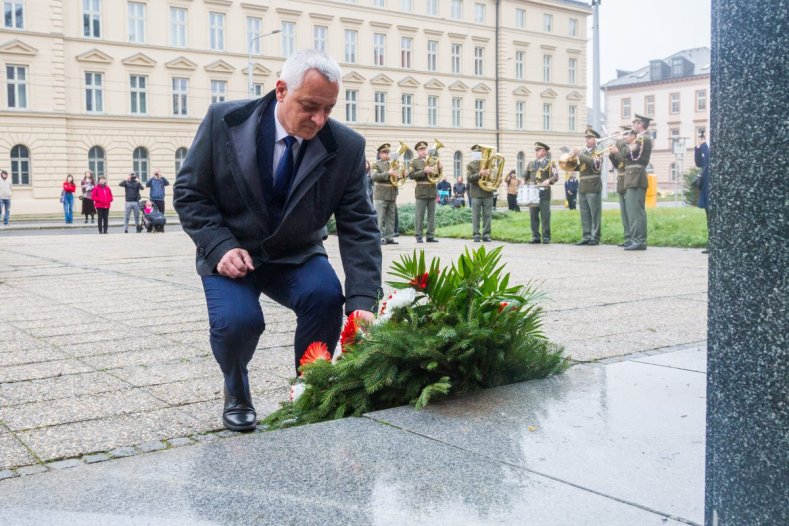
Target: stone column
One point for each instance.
(747, 479)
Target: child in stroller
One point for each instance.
(444, 197)
(152, 219)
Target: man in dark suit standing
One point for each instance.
(255, 192)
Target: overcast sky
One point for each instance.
(633, 32)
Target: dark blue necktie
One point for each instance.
(284, 173)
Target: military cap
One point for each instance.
(625, 128)
(538, 145)
(644, 120)
(385, 146)
(591, 133)
(420, 144)
(476, 148)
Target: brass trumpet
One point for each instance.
(399, 166)
(493, 161)
(433, 161)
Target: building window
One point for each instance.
(479, 64)
(20, 165)
(319, 34)
(673, 100)
(457, 52)
(649, 105)
(91, 18)
(520, 164)
(626, 108)
(350, 46)
(178, 27)
(216, 31)
(479, 13)
(479, 113)
(573, 27)
(701, 100)
(379, 3)
(406, 44)
(380, 107)
(572, 117)
(379, 49)
(432, 7)
(547, 22)
(16, 77)
(140, 163)
(677, 67)
(547, 60)
(136, 22)
(254, 26)
(180, 96)
(546, 116)
(701, 131)
(457, 9)
(97, 162)
(572, 67)
(407, 103)
(218, 91)
(520, 18)
(138, 89)
(14, 14)
(457, 164)
(673, 171)
(180, 155)
(351, 104)
(257, 89)
(520, 59)
(432, 110)
(288, 38)
(673, 136)
(432, 55)
(457, 103)
(94, 92)
(520, 107)
(407, 5)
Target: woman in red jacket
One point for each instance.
(67, 198)
(102, 197)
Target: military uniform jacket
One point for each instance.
(589, 173)
(424, 188)
(538, 171)
(618, 161)
(472, 176)
(636, 161)
(384, 190)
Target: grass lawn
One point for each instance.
(684, 227)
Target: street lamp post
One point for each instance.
(250, 84)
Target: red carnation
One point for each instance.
(353, 326)
(503, 305)
(315, 351)
(420, 282)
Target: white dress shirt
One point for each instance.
(279, 143)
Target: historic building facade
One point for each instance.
(673, 91)
(116, 85)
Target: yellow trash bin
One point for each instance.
(651, 191)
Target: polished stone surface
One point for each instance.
(629, 430)
(349, 472)
(692, 359)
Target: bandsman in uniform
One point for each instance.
(636, 182)
(542, 173)
(425, 193)
(590, 189)
(481, 200)
(616, 155)
(385, 194)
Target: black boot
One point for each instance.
(238, 414)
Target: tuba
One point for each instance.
(399, 166)
(432, 160)
(493, 161)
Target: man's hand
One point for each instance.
(484, 173)
(366, 315)
(235, 263)
(428, 169)
(613, 149)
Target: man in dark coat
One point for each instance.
(255, 193)
(702, 158)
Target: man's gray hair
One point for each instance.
(300, 62)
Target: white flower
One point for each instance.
(396, 300)
(296, 390)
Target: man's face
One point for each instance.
(638, 126)
(304, 111)
(384, 155)
(629, 138)
(4, 175)
(422, 152)
(539, 152)
(157, 175)
(591, 142)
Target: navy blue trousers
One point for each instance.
(311, 290)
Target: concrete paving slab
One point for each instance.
(347, 472)
(29, 356)
(149, 356)
(66, 386)
(646, 424)
(688, 359)
(14, 453)
(32, 371)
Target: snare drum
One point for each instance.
(529, 195)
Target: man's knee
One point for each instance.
(231, 322)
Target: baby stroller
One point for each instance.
(154, 220)
(443, 197)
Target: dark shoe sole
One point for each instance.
(233, 427)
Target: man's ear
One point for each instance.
(280, 90)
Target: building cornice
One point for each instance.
(682, 80)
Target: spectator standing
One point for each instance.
(67, 197)
(88, 208)
(702, 158)
(132, 187)
(459, 189)
(102, 197)
(513, 182)
(571, 190)
(157, 185)
(5, 196)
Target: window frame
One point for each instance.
(407, 109)
(15, 86)
(94, 93)
(179, 159)
(136, 22)
(141, 163)
(479, 113)
(674, 97)
(547, 66)
(520, 18)
(179, 29)
(457, 10)
(520, 112)
(702, 98)
(520, 65)
(572, 71)
(138, 95)
(218, 90)
(216, 31)
(456, 57)
(320, 35)
(457, 112)
(547, 22)
(547, 115)
(649, 100)
(379, 49)
(379, 102)
(352, 105)
(20, 166)
(288, 39)
(432, 111)
(97, 163)
(432, 55)
(254, 47)
(17, 15)
(91, 21)
(572, 117)
(479, 13)
(479, 61)
(351, 46)
(180, 96)
(626, 108)
(406, 52)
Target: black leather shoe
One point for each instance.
(476, 240)
(546, 241)
(622, 244)
(487, 239)
(419, 240)
(593, 243)
(635, 246)
(432, 240)
(238, 414)
(535, 242)
(584, 242)
(392, 242)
